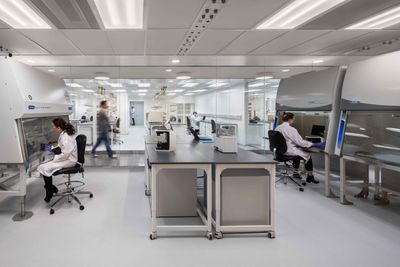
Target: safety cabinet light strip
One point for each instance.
(121, 14)
(19, 15)
(380, 21)
(297, 13)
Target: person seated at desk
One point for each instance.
(195, 121)
(295, 145)
(65, 155)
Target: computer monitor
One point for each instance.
(318, 130)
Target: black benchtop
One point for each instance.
(192, 152)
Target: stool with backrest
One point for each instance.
(73, 188)
(277, 144)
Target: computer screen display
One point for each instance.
(318, 130)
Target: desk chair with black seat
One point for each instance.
(73, 188)
(277, 144)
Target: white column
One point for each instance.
(123, 112)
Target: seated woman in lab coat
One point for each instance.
(295, 145)
(65, 157)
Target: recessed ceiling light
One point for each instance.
(142, 94)
(123, 14)
(51, 70)
(171, 94)
(19, 15)
(379, 21)
(183, 76)
(286, 70)
(189, 84)
(30, 61)
(179, 90)
(175, 61)
(75, 85)
(144, 84)
(297, 13)
(254, 90)
(168, 70)
(170, 81)
(317, 61)
(88, 90)
(70, 94)
(120, 90)
(189, 94)
(142, 90)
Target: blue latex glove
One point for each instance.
(48, 148)
(320, 145)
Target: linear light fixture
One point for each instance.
(190, 85)
(171, 94)
(19, 15)
(297, 13)
(379, 21)
(115, 85)
(256, 84)
(142, 90)
(75, 85)
(142, 94)
(121, 14)
(88, 90)
(144, 84)
(217, 84)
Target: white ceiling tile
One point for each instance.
(212, 41)
(17, 43)
(90, 42)
(287, 41)
(127, 42)
(324, 41)
(172, 14)
(245, 14)
(250, 41)
(53, 41)
(164, 42)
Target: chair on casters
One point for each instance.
(116, 133)
(70, 191)
(277, 144)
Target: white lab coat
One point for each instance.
(194, 122)
(294, 141)
(67, 158)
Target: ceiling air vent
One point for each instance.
(68, 14)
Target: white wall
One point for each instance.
(225, 103)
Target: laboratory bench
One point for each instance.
(240, 187)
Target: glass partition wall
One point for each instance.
(244, 96)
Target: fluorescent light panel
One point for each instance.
(115, 85)
(214, 85)
(297, 13)
(121, 14)
(380, 21)
(144, 84)
(19, 15)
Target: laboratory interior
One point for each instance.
(199, 133)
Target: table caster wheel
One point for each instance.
(51, 211)
(147, 193)
(271, 235)
(209, 236)
(153, 236)
(304, 183)
(91, 195)
(81, 207)
(218, 235)
(301, 189)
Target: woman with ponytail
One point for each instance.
(65, 155)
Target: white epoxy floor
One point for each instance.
(133, 141)
(114, 230)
